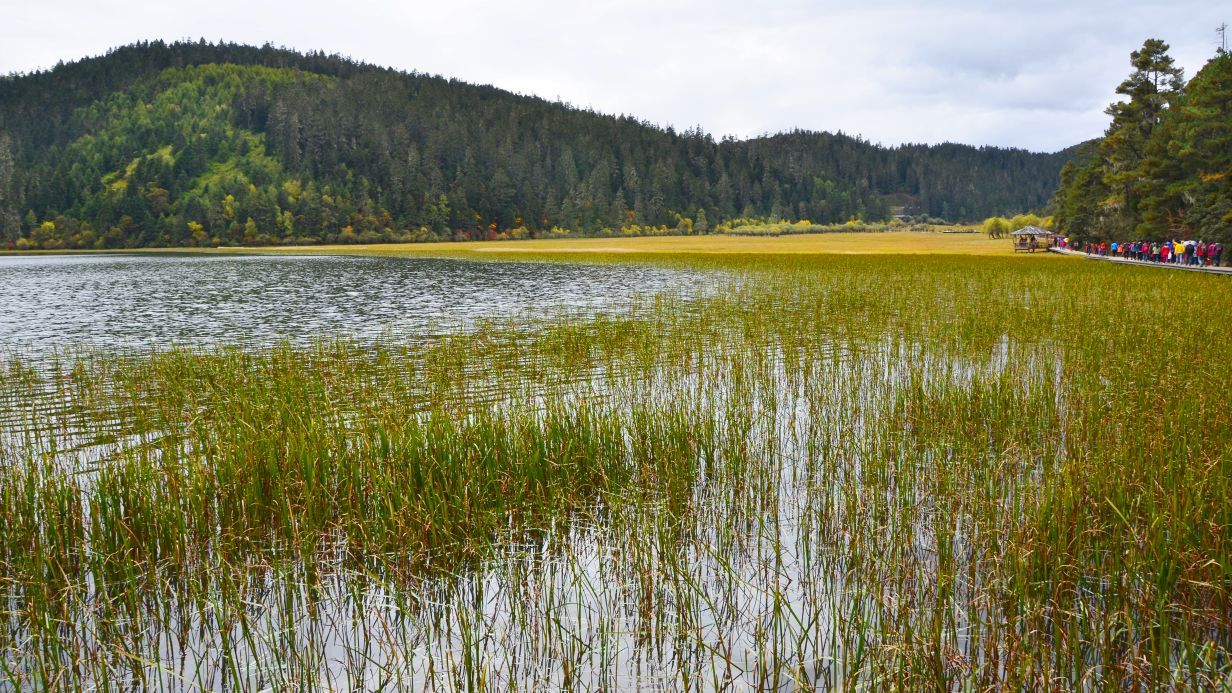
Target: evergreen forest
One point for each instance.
(1163, 169)
(200, 144)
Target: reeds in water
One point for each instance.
(879, 473)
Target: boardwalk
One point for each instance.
(1227, 271)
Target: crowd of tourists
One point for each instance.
(1193, 253)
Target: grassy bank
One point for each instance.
(890, 243)
(843, 472)
(887, 243)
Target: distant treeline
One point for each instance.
(189, 144)
(1163, 170)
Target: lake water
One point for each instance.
(143, 301)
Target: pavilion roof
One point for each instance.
(1031, 231)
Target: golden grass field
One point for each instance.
(894, 243)
(859, 243)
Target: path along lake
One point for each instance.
(156, 300)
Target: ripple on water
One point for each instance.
(154, 300)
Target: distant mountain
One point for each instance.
(159, 144)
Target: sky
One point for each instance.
(1030, 74)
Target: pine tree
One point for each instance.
(10, 223)
(1154, 85)
(1204, 149)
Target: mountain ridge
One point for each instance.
(116, 151)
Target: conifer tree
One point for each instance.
(1154, 85)
(10, 225)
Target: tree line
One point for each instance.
(194, 143)
(1163, 169)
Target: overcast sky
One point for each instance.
(1027, 74)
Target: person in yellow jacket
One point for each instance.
(1178, 251)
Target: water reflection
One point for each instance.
(141, 301)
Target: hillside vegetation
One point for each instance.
(218, 144)
(1164, 168)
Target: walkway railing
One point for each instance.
(1144, 263)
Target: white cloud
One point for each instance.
(1034, 75)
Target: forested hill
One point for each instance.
(196, 144)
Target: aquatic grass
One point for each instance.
(941, 473)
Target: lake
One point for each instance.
(155, 300)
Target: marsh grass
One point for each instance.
(878, 473)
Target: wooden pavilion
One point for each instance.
(1032, 238)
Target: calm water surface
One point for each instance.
(142, 301)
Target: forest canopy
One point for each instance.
(1163, 169)
(196, 144)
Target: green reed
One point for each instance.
(823, 472)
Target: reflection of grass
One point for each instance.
(868, 472)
